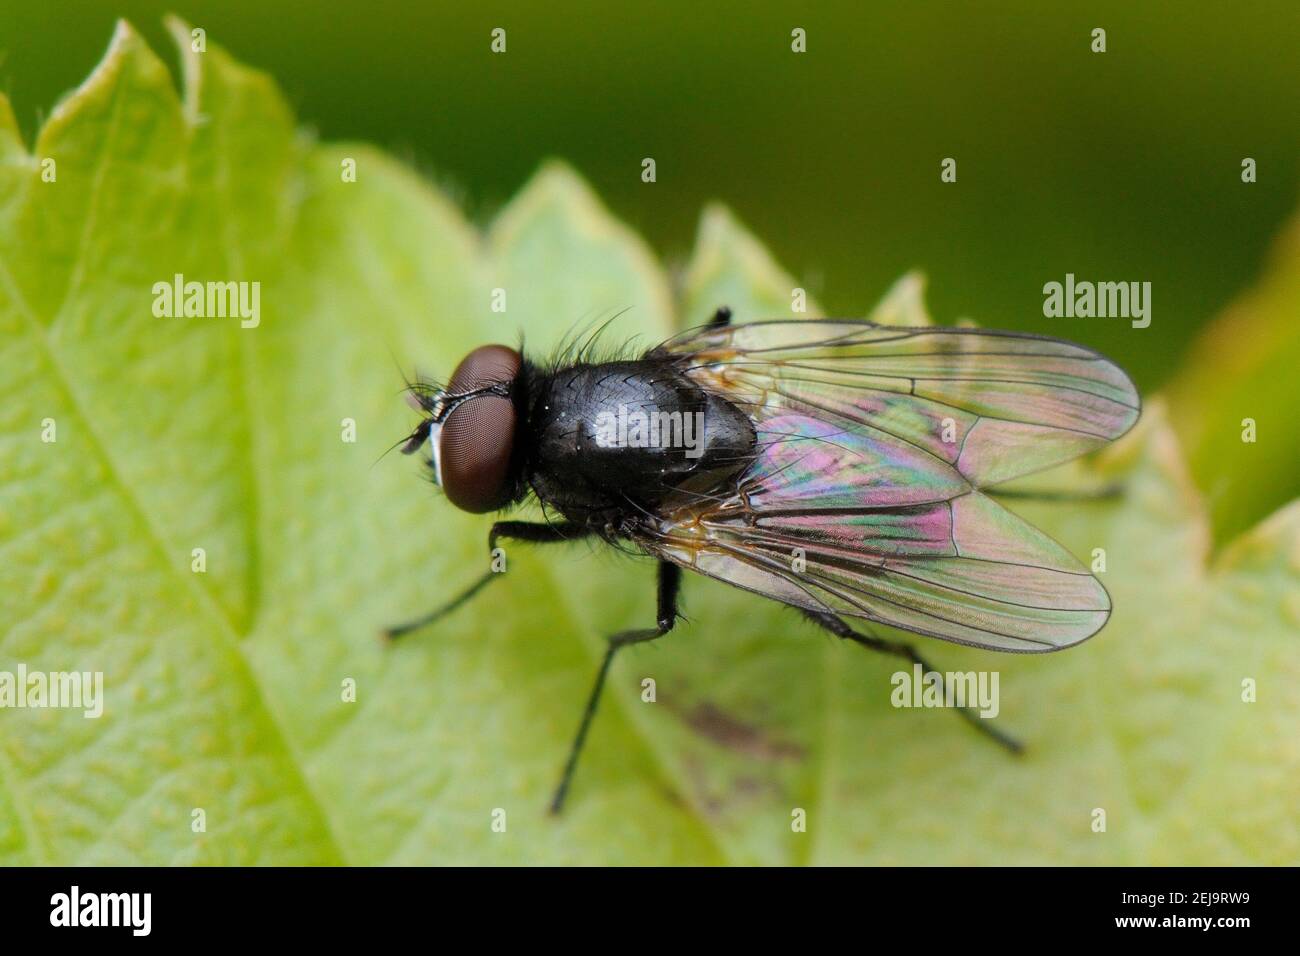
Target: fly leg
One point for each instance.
(840, 628)
(535, 532)
(1104, 493)
(720, 318)
(670, 579)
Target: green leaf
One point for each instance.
(1235, 403)
(225, 689)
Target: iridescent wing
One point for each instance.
(875, 443)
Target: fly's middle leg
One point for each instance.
(670, 579)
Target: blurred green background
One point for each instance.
(1118, 166)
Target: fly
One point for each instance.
(837, 466)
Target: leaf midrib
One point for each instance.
(63, 383)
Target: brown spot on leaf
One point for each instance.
(709, 721)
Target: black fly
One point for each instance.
(836, 466)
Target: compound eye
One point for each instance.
(474, 453)
(486, 366)
(477, 438)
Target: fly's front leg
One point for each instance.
(840, 628)
(531, 531)
(670, 579)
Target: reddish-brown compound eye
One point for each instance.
(487, 365)
(477, 438)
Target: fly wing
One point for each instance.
(864, 498)
(992, 405)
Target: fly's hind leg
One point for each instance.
(840, 628)
(532, 531)
(670, 579)
(1104, 493)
